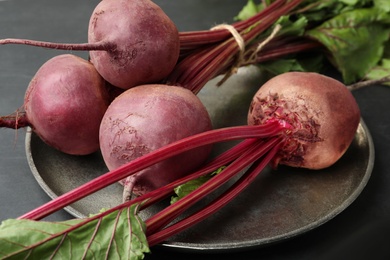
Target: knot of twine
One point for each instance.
(241, 45)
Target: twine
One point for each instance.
(237, 36)
(241, 45)
(261, 45)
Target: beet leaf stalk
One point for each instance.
(244, 181)
(209, 137)
(250, 155)
(193, 40)
(197, 68)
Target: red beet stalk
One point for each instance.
(250, 155)
(209, 137)
(201, 65)
(193, 40)
(279, 48)
(226, 157)
(221, 201)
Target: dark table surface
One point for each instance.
(361, 230)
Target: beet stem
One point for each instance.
(281, 51)
(154, 196)
(250, 155)
(245, 180)
(209, 137)
(195, 39)
(221, 160)
(216, 58)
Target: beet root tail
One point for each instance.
(15, 120)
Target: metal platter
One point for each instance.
(279, 205)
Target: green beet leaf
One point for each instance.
(249, 10)
(190, 186)
(355, 39)
(290, 27)
(313, 63)
(114, 235)
(383, 5)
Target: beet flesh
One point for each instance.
(65, 102)
(145, 118)
(145, 42)
(322, 112)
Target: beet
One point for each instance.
(144, 42)
(65, 102)
(322, 112)
(145, 118)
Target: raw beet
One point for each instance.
(322, 112)
(144, 42)
(65, 102)
(148, 117)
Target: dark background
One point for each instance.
(360, 231)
